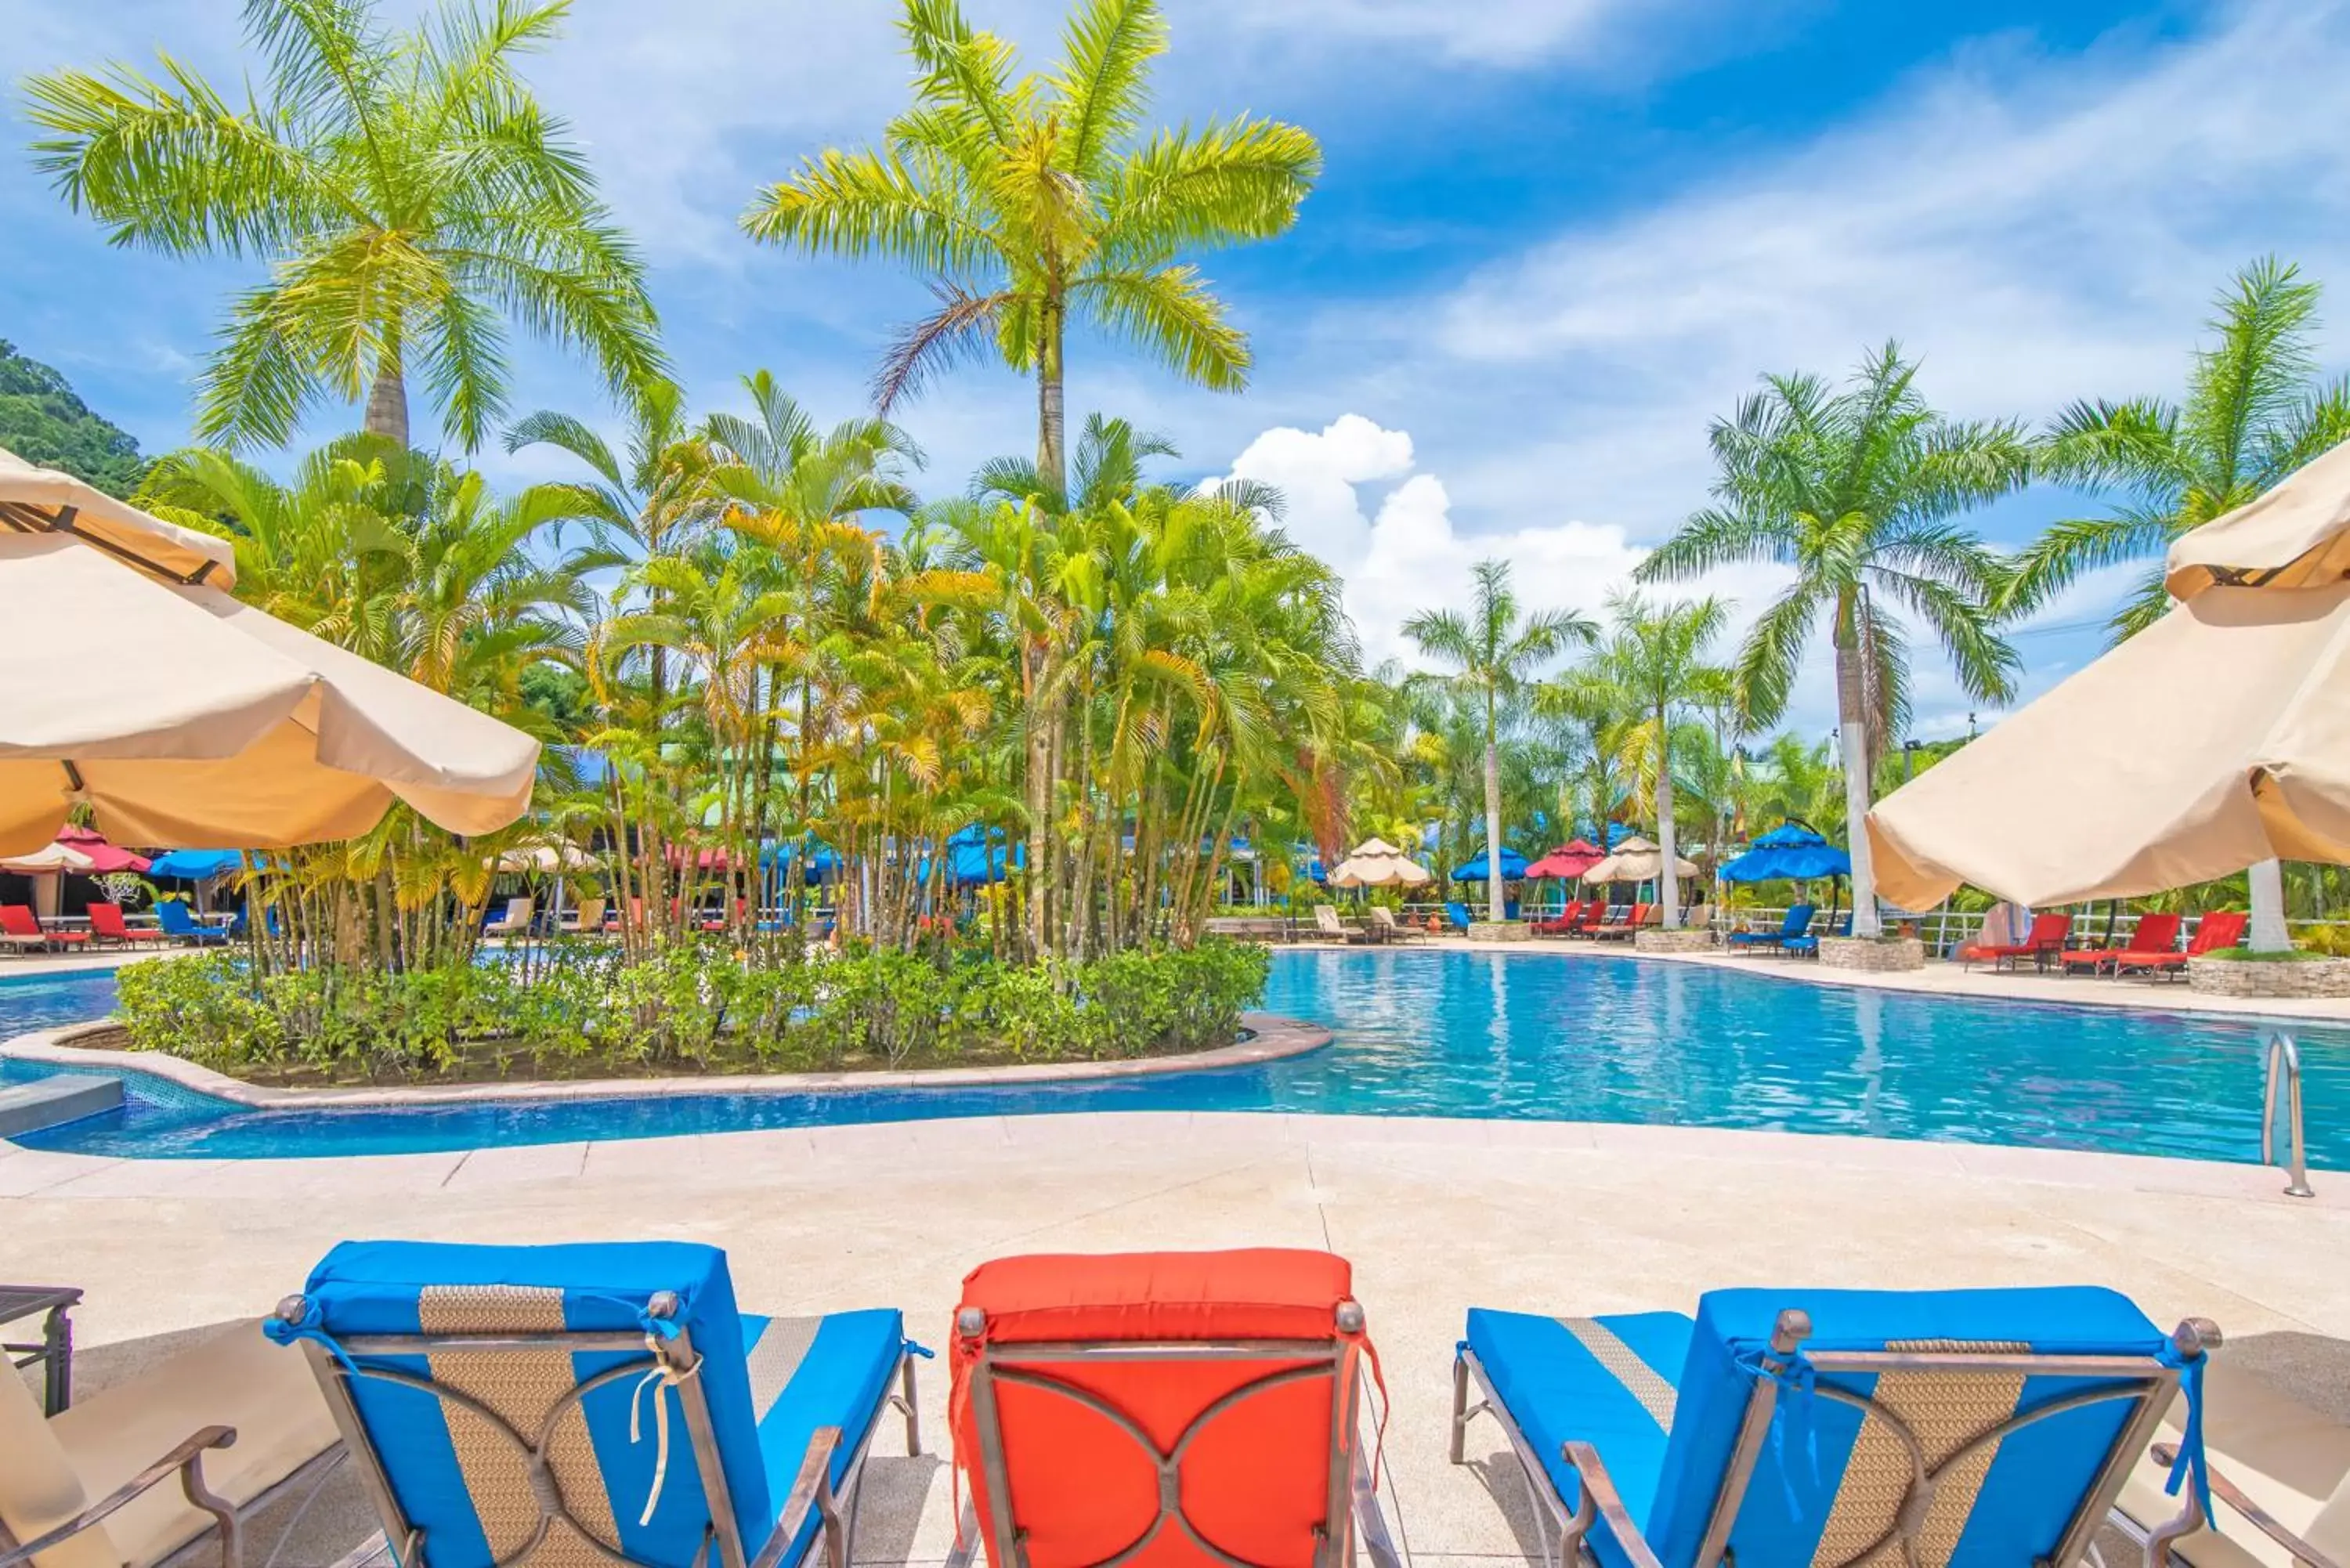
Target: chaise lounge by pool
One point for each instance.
(1455, 1034)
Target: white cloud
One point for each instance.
(1405, 554)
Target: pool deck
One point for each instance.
(1435, 1214)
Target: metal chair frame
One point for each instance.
(2145, 1381)
(1351, 1499)
(723, 1542)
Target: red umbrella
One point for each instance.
(104, 859)
(1566, 862)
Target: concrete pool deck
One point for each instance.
(1435, 1215)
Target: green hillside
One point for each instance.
(43, 421)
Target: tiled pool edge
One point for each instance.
(1270, 1038)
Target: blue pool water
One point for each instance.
(1457, 1034)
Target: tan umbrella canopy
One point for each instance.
(1374, 862)
(52, 857)
(1636, 859)
(2217, 738)
(188, 719)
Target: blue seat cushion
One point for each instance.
(1555, 1387)
(832, 1372)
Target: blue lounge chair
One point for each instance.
(496, 1396)
(1459, 915)
(1792, 928)
(1826, 1428)
(1808, 945)
(180, 925)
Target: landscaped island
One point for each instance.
(584, 1009)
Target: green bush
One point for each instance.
(579, 1007)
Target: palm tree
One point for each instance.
(1028, 202)
(1856, 490)
(409, 193)
(1494, 654)
(1652, 668)
(2254, 412)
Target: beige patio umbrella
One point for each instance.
(1637, 859)
(1374, 862)
(186, 719)
(546, 858)
(50, 857)
(2218, 738)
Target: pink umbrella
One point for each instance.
(1566, 862)
(104, 859)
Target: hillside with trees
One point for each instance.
(45, 421)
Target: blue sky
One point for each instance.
(1555, 238)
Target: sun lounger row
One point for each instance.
(1603, 921)
(2152, 948)
(612, 1404)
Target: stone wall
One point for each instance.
(1672, 941)
(2242, 977)
(1499, 932)
(1872, 956)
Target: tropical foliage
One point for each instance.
(410, 195)
(43, 422)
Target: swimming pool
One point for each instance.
(1481, 1034)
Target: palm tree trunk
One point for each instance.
(1852, 736)
(1496, 908)
(1051, 417)
(386, 404)
(1668, 887)
(2268, 933)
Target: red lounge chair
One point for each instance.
(2220, 929)
(21, 928)
(1166, 1408)
(1594, 919)
(1632, 923)
(2045, 939)
(1561, 925)
(2156, 934)
(106, 925)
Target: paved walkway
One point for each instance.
(1436, 1215)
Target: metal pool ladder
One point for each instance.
(2285, 1082)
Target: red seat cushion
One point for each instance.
(1255, 1475)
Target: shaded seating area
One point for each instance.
(21, 928)
(1561, 924)
(180, 926)
(2220, 929)
(2041, 944)
(1627, 929)
(1781, 1428)
(1797, 924)
(108, 925)
(1330, 928)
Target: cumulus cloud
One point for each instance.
(1355, 500)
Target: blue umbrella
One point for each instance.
(195, 865)
(1787, 863)
(1513, 867)
(1789, 836)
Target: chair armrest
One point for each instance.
(1596, 1497)
(812, 1488)
(2227, 1492)
(186, 1458)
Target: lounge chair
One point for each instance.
(1808, 944)
(514, 922)
(1798, 920)
(1595, 915)
(1330, 928)
(147, 1469)
(2043, 941)
(1188, 1406)
(180, 926)
(22, 928)
(2279, 1482)
(107, 925)
(1387, 928)
(2155, 934)
(496, 1396)
(587, 915)
(1459, 915)
(1628, 929)
(2220, 929)
(1792, 1428)
(1559, 925)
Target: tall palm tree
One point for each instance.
(2254, 412)
(411, 197)
(1652, 668)
(1029, 202)
(1494, 653)
(1857, 490)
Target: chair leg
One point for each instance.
(906, 1403)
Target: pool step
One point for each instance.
(46, 1102)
